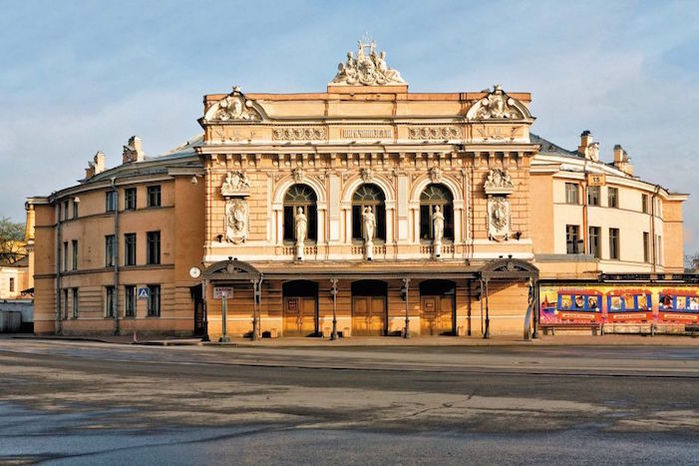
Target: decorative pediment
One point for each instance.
(497, 105)
(368, 69)
(234, 108)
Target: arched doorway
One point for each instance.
(437, 306)
(300, 312)
(369, 307)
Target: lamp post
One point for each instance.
(333, 292)
(224, 316)
(204, 286)
(255, 321)
(404, 293)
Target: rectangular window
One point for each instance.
(646, 247)
(75, 303)
(64, 305)
(109, 302)
(153, 196)
(130, 199)
(12, 285)
(110, 201)
(65, 210)
(572, 193)
(613, 197)
(572, 239)
(154, 301)
(109, 250)
(76, 203)
(130, 301)
(74, 245)
(593, 195)
(614, 243)
(64, 259)
(644, 203)
(153, 247)
(594, 242)
(130, 249)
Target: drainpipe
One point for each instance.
(59, 237)
(115, 302)
(584, 233)
(653, 246)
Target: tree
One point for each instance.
(11, 241)
(691, 261)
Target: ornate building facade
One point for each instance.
(363, 210)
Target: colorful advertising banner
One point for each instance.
(618, 304)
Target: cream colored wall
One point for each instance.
(628, 218)
(19, 275)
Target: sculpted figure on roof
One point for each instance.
(368, 69)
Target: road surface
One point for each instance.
(94, 403)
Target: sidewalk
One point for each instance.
(550, 340)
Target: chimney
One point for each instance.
(99, 162)
(95, 166)
(588, 148)
(622, 161)
(133, 150)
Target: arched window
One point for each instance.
(436, 195)
(371, 196)
(300, 195)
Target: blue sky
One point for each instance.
(77, 77)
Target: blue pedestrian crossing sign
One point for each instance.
(143, 293)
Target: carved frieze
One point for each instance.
(299, 133)
(498, 182)
(498, 218)
(236, 184)
(435, 174)
(434, 132)
(237, 220)
(298, 174)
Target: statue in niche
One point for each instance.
(236, 221)
(369, 227)
(438, 229)
(301, 225)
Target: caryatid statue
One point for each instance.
(369, 227)
(438, 229)
(301, 228)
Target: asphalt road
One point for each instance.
(91, 403)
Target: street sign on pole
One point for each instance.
(223, 292)
(143, 293)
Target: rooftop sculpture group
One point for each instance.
(368, 69)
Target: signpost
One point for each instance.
(143, 293)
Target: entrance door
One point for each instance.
(299, 316)
(436, 316)
(195, 292)
(368, 315)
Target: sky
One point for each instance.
(81, 76)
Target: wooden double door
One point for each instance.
(300, 316)
(437, 315)
(368, 315)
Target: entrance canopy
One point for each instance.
(232, 270)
